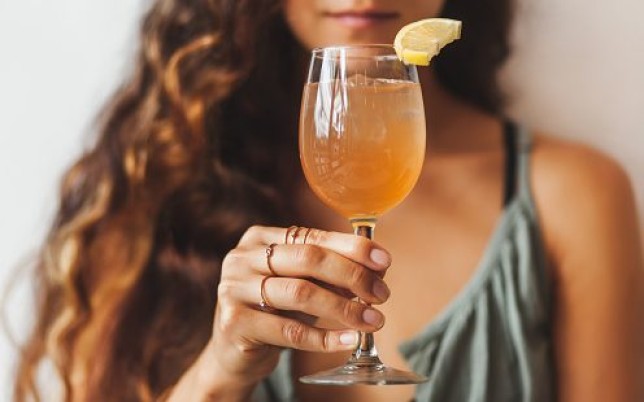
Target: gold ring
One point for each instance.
(306, 235)
(288, 232)
(269, 253)
(264, 304)
(295, 233)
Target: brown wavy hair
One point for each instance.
(198, 145)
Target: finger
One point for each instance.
(346, 293)
(261, 328)
(309, 261)
(356, 248)
(262, 235)
(294, 294)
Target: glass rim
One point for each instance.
(318, 50)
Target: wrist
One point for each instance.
(220, 385)
(208, 381)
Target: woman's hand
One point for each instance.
(316, 279)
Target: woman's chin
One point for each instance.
(338, 34)
(353, 41)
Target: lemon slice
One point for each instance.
(417, 42)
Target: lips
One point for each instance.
(362, 19)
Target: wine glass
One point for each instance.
(362, 146)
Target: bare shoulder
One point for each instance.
(584, 198)
(570, 174)
(589, 223)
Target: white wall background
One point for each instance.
(578, 72)
(59, 62)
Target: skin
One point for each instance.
(587, 219)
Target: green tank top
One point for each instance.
(493, 342)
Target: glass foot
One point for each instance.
(366, 373)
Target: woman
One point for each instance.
(150, 279)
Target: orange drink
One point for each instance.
(362, 143)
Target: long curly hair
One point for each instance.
(198, 145)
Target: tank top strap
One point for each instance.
(524, 148)
(518, 146)
(510, 146)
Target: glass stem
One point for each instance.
(366, 352)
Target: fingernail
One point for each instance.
(349, 338)
(372, 317)
(380, 257)
(380, 290)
